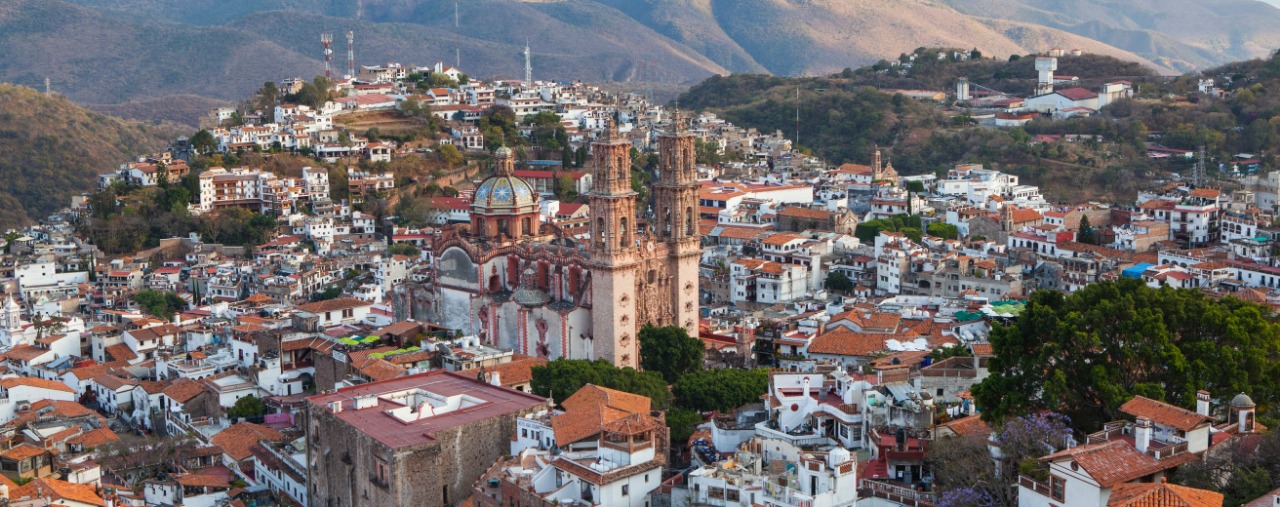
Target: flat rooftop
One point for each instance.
(408, 411)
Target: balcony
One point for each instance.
(1040, 488)
(898, 494)
(801, 440)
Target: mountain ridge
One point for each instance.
(130, 56)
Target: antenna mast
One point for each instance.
(1198, 174)
(326, 40)
(351, 54)
(457, 43)
(528, 66)
(46, 86)
(797, 146)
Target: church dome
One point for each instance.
(503, 193)
(1242, 400)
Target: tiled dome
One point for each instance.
(502, 193)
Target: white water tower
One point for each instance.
(1045, 65)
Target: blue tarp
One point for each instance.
(1136, 270)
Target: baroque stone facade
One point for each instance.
(523, 284)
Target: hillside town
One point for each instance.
(353, 357)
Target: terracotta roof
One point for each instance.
(95, 438)
(25, 352)
(781, 238)
(802, 212)
(121, 352)
(518, 371)
(1265, 500)
(69, 409)
(236, 440)
(1077, 94)
(154, 332)
(113, 382)
(183, 390)
(88, 372)
(854, 169)
(21, 452)
(1206, 193)
(203, 481)
(333, 305)
(52, 385)
(381, 369)
(1146, 494)
(591, 408)
(1164, 414)
(968, 426)
(843, 342)
(1115, 461)
(57, 490)
(982, 349)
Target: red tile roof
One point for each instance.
(1164, 414)
(843, 342)
(1162, 495)
(51, 385)
(592, 408)
(237, 440)
(56, 490)
(1115, 461)
(1077, 94)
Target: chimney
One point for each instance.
(806, 387)
(1202, 402)
(1142, 434)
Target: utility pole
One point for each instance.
(797, 146)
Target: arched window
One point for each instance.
(622, 232)
(666, 221)
(688, 221)
(503, 228)
(526, 227)
(600, 231)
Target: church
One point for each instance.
(523, 284)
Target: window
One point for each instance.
(939, 391)
(626, 489)
(1057, 488)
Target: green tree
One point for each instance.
(449, 154)
(682, 422)
(330, 292)
(1086, 233)
(837, 281)
(722, 390)
(203, 142)
(563, 377)
(707, 152)
(162, 304)
(403, 249)
(944, 230)
(1085, 354)
(670, 351)
(248, 407)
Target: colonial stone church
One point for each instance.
(521, 283)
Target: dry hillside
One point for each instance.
(52, 149)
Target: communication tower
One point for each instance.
(351, 54)
(326, 40)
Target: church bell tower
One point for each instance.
(676, 197)
(613, 251)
